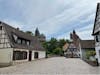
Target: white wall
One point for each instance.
(80, 50)
(83, 53)
(33, 55)
(6, 56)
(41, 54)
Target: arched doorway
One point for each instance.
(36, 55)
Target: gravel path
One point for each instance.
(55, 65)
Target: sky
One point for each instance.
(54, 18)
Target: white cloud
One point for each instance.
(55, 18)
(13, 23)
(86, 34)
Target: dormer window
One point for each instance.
(19, 41)
(23, 41)
(28, 43)
(15, 37)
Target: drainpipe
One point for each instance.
(97, 62)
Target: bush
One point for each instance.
(58, 51)
(90, 53)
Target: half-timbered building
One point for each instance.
(78, 47)
(17, 46)
(96, 32)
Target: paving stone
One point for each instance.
(55, 65)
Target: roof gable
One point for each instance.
(87, 44)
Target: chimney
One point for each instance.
(17, 28)
(0, 22)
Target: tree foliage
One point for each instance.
(54, 46)
(61, 42)
(90, 53)
(29, 32)
(58, 51)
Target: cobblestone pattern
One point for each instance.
(55, 65)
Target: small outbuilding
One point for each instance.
(86, 46)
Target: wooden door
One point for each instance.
(30, 55)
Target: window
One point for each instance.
(23, 41)
(19, 55)
(0, 27)
(15, 37)
(16, 55)
(28, 43)
(19, 41)
(97, 38)
(24, 55)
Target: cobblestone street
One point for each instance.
(55, 65)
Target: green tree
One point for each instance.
(90, 53)
(68, 41)
(58, 51)
(29, 32)
(52, 44)
(61, 42)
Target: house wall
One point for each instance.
(4, 39)
(42, 54)
(83, 53)
(97, 31)
(98, 53)
(6, 56)
(68, 53)
(97, 48)
(80, 51)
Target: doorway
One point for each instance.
(36, 55)
(30, 55)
